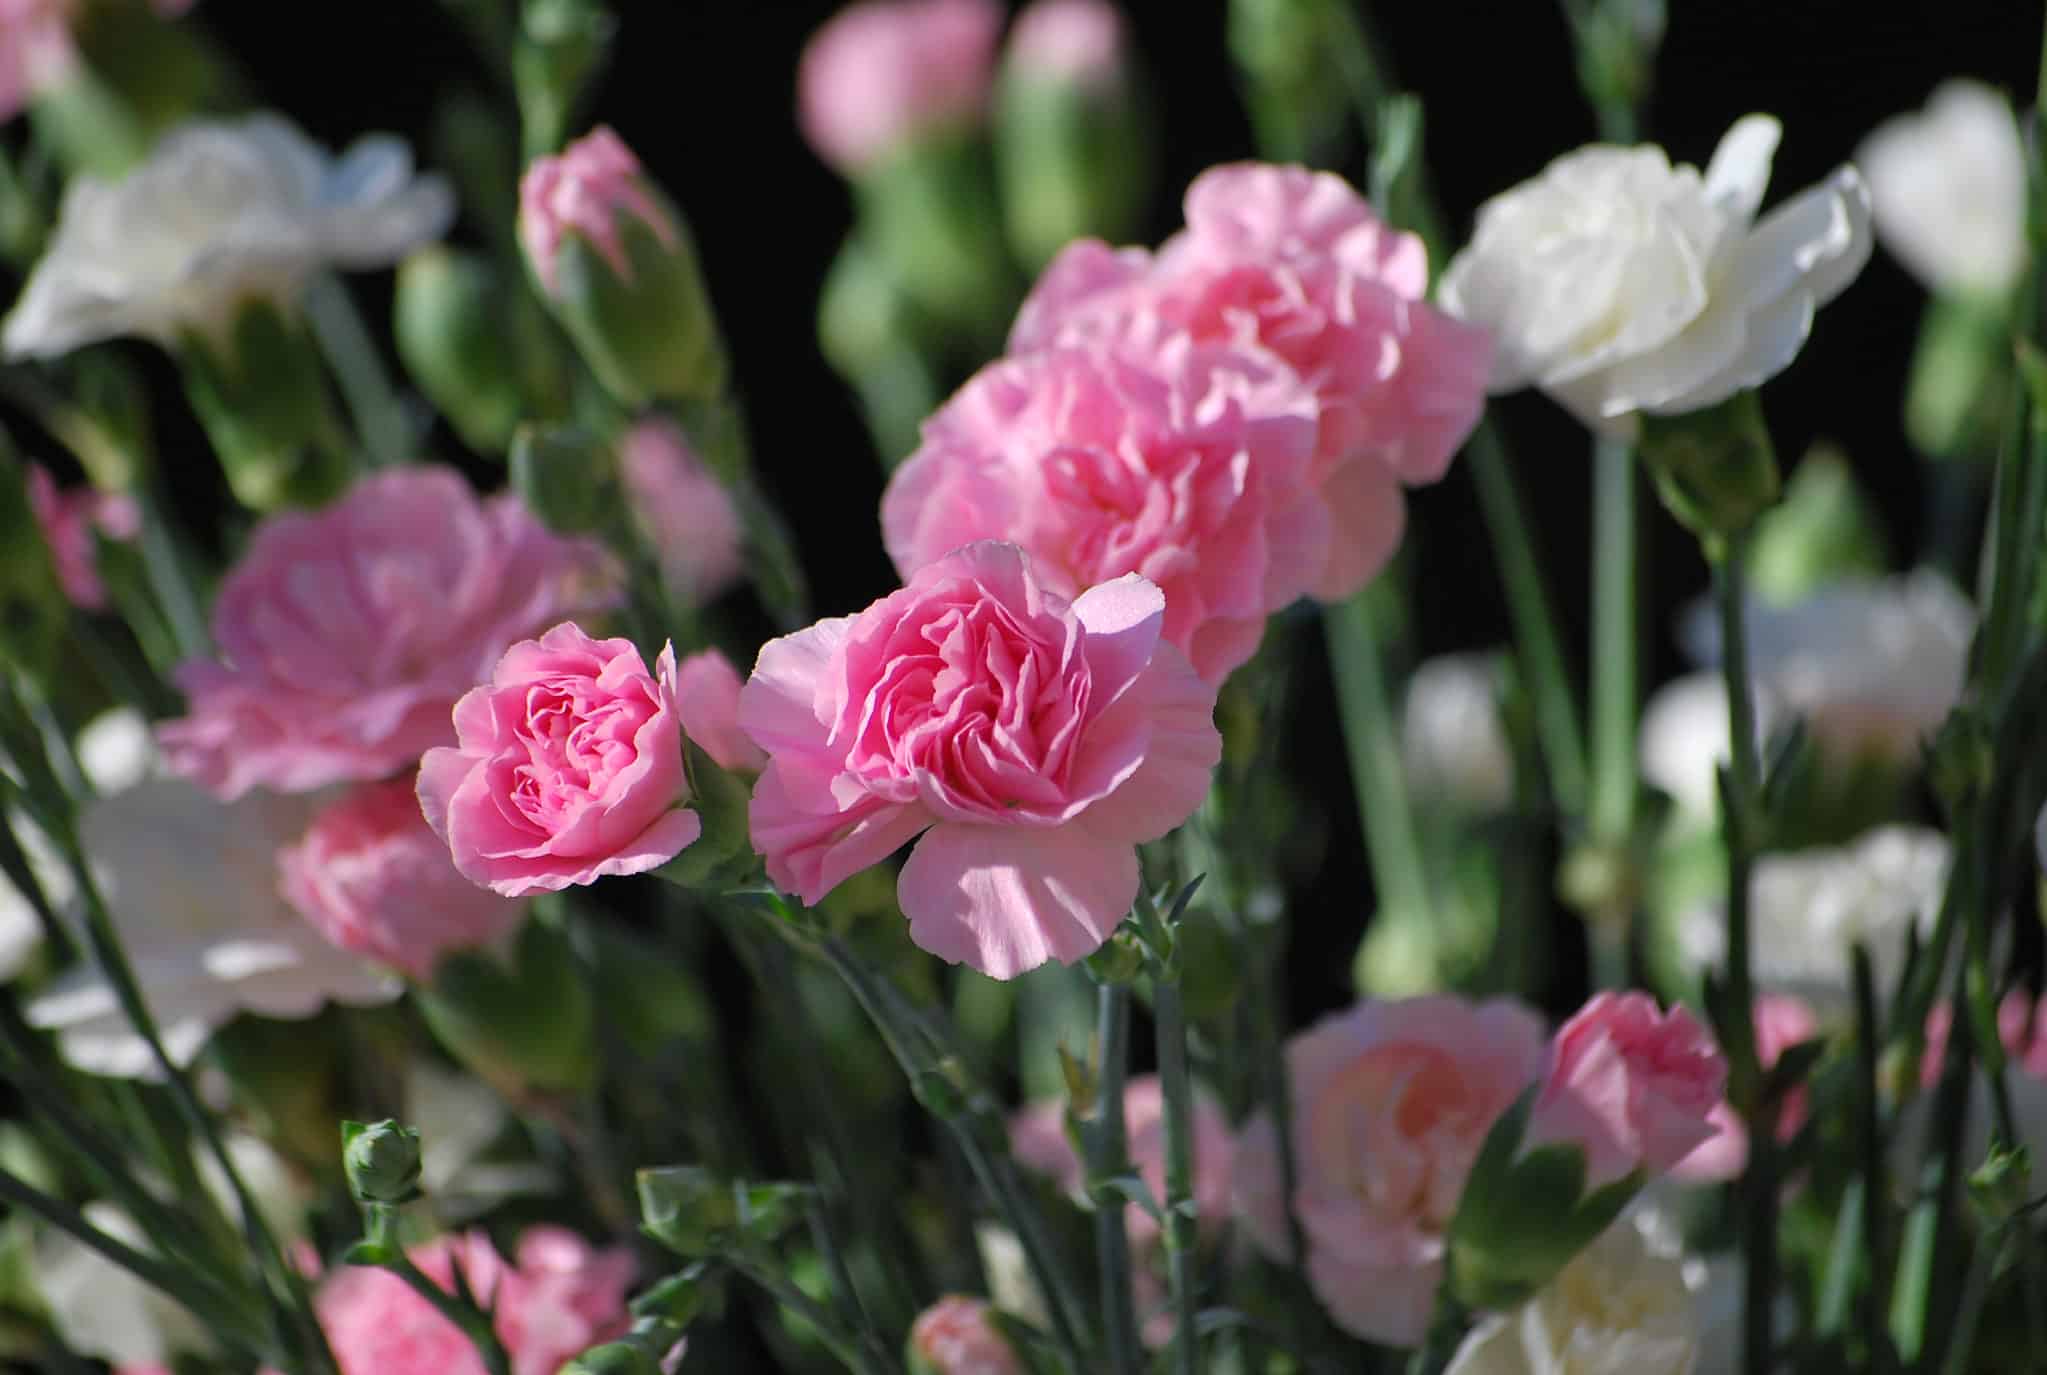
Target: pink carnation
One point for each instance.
(346, 634)
(1032, 742)
(1187, 464)
(1082, 41)
(562, 1296)
(1295, 262)
(588, 189)
(68, 521)
(883, 72)
(567, 767)
(1391, 1103)
(374, 879)
(1633, 1086)
(1782, 1022)
(35, 50)
(683, 510)
(707, 691)
(955, 1337)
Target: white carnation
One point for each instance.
(1452, 739)
(222, 212)
(1948, 185)
(1619, 283)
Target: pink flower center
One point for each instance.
(574, 747)
(1401, 1126)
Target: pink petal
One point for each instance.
(1123, 620)
(1180, 753)
(1004, 899)
(778, 705)
(1367, 514)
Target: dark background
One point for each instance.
(703, 90)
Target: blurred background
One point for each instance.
(704, 90)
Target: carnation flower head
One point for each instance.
(1082, 41)
(346, 635)
(1184, 463)
(223, 212)
(1948, 186)
(587, 190)
(69, 521)
(882, 73)
(1031, 742)
(35, 50)
(683, 510)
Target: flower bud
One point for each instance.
(617, 266)
(566, 475)
(561, 47)
(1071, 142)
(260, 389)
(381, 1160)
(1290, 59)
(958, 1336)
(874, 337)
(524, 1022)
(694, 1212)
(1824, 531)
(459, 326)
(1714, 468)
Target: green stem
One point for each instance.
(1109, 1156)
(1533, 615)
(1989, 1250)
(1615, 677)
(1176, 1090)
(373, 402)
(1372, 737)
(1448, 1327)
(1875, 1175)
(977, 1129)
(851, 1352)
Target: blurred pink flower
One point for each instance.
(567, 767)
(1296, 262)
(2021, 1026)
(1069, 40)
(1032, 742)
(68, 520)
(1184, 463)
(35, 49)
(588, 189)
(1782, 1021)
(1632, 1085)
(683, 510)
(707, 689)
(954, 1337)
(561, 1296)
(346, 634)
(883, 72)
(1037, 1137)
(373, 877)
(1391, 1103)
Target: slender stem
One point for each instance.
(1615, 676)
(1372, 737)
(1176, 1090)
(1109, 1156)
(1989, 1251)
(851, 1352)
(170, 578)
(474, 1323)
(1875, 1176)
(379, 415)
(1533, 615)
(973, 1128)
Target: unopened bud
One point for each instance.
(1714, 469)
(260, 389)
(617, 266)
(455, 319)
(381, 1160)
(566, 475)
(957, 1336)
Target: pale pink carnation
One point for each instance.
(1037, 1137)
(35, 50)
(567, 767)
(68, 521)
(707, 689)
(1632, 1085)
(1781, 1022)
(562, 1296)
(955, 1337)
(1082, 41)
(589, 189)
(1032, 742)
(1185, 463)
(346, 634)
(683, 510)
(1296, 262)
(373, 878)
(1391, 1103)
(884, 72)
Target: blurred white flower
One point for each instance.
(193, 891)
(222, 212)
(100, 1309)
(1948, 184)
(1452, 739)
(1626, 1305)
(1011, 1285)
(116, 750)
(1871, 665)
(1618, 283)
(1684, 740)
(1809, 908)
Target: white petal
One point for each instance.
(1949, 189)
(1770, 339)
(1740, 170)
(1816, 241)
